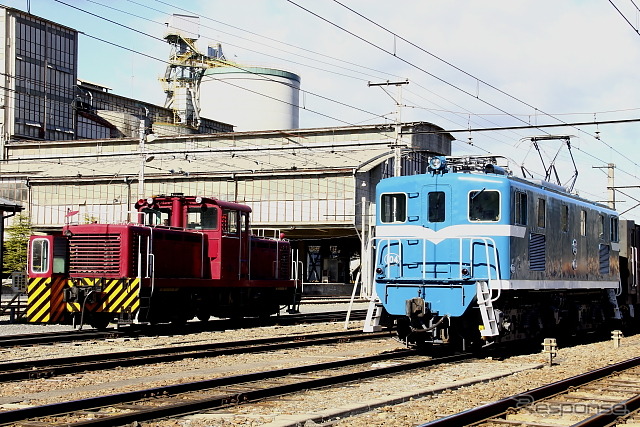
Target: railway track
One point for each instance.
(602, 397)
(191, 327)
(185, 398)
(45, 368)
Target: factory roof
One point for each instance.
(265, 152)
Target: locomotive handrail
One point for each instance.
(491, 256)
(495, 257)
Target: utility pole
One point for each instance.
(611, 184)
(611, 187)
(144, 158)
(397, 147)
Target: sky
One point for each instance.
(470, 65)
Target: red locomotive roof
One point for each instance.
(164, 199)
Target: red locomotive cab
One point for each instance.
(224, 228)
(47, 271)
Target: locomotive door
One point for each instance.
(245, 246)
(438, 217)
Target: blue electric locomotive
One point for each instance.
(470, 254)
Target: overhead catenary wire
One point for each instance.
(344, 104)
(263, 77)
(440, 59)
(624, 17)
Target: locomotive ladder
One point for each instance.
(487, 313)
(374, 314)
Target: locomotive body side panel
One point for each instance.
(569, 243)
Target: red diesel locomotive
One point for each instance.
(188, 256)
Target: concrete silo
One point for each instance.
(251, 98)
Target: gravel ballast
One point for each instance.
(424, 394)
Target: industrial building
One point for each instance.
(42, 98)
(100, 152)
(314, 185)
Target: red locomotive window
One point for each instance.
(202, 218)
(230, 221)
(40, 256)
(157, 216)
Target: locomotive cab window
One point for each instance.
(244, 222)
(230, 222)
(40, 256)
(542, 213)
(601, 226)
(157, 216)
(564, 218)
(202, 218)
(521, 208)
(614, 229)
(484, 205)
(436, 206)
(393, 208)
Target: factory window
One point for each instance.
(39, 256)
(484, 205)
(436, 206)
(521, 207)
(393, 208)
(564, 218)
(583, 222)
(542, 213)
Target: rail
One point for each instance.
(45, 368)
(160, 402)
(492, 411)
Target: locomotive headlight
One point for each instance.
(198, 199)
(465, 272)
(379, 271)
(150, 201)
(437, 163)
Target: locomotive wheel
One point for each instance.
(203, 316)
(100, 321)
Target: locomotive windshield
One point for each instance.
(202, 218)
(484, 205)
(160, 216)
(393, 208)
(436, 206)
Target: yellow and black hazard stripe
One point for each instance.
(114, 295)
(45, 300)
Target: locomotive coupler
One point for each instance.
(85, 294)
(419, 314)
